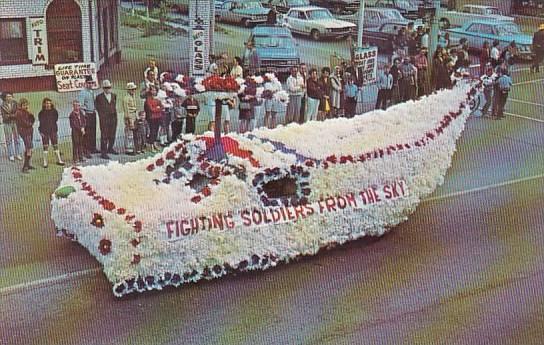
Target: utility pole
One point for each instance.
(433, 36)
(361, 23)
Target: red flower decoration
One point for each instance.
(309, 163)
(104, 246)
(178, 147)
(196, 199)
(129, 217)
(150, 167)
(137, 226)
(107, 205)
(135, 242)
(206, 191)
(136, 259)
(121, 210)
(159, 162)
(97, 220)
(77, 174)
(171, 155)
(215, 181)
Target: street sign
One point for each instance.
(201, 17)
(366, 62)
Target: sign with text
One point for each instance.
(38, 41)
(201, 16)
(71, 76)
(366, 62)
(330, 206)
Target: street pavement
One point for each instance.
(466, 268)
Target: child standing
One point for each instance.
(140, 133)
(77, 124)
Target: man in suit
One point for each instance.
(106, 103)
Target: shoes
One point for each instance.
(30, 167)
(113, 152)
(60, 163)
(12, 159)
(88, 156)
(104, 156)
(19, 158)
(94, 151)
(25, 170)
(130, 153)
(45, 165)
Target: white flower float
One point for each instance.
(269, 196)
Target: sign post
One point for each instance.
(201, 18)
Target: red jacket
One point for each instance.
(24, 120)
(153, 108)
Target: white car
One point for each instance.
(469, 13)
(317, 22)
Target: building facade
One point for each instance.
(36, 35)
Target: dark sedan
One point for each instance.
(383, 36)
(283, 6)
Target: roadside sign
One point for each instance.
(366, 62)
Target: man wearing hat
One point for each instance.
(86, 100)
(106, 103)
(421, 63)
(130, 111)
(538, 49)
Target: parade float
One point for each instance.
(209, 205)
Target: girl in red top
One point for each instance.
(153, 110)
(25, 122)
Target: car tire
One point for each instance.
(315, 35)
(246, 23)
(444, 23)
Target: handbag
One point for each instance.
(327, 105)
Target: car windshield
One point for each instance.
(299, 2)
(405, 4)
(273, 41)
(494, 11)
(507, 29)
(247, 5)
(392, 15)
(319, 14)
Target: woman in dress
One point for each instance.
(325, 85)
(336, 92)
(48, 118)
(247, 104)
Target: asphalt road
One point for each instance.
(466, 268)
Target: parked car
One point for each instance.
(408, 8)
(275, 47)
(478, 31)
(317, 22)
(338, 6)
(383, 36)
(283, 6)
(248, 13)
(376, 16)
(471, 12)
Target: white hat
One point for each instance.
(131, 86)
(106, 84)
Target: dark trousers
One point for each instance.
(108, 129)
(177, 127)
(190, 124)
(153, 130)
(537, 60)
(383, 99)
(350, 106)
(139, 137)
(78, 150)
(90, 132)
(498, 107)
(488, 94)
(302, 114)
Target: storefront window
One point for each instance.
(13, 44)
